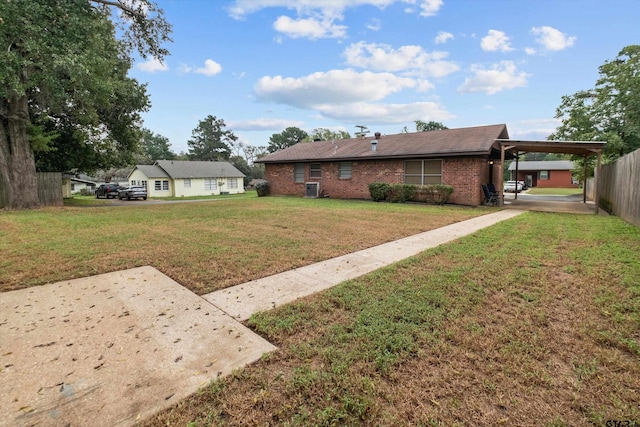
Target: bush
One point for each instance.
(400, 193)
(262, 188)
(435, 193)
(379, 191)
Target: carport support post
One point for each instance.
(596, 180)
(584, 180)
(501, 175)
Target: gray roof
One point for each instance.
(472, 141)
(152, 171)
(177, 169)
(547, 165)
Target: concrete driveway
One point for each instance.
(545, 203)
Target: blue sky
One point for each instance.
(265, 65)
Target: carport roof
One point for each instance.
(581, 148)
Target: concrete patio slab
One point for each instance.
(111, 349)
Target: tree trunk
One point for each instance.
(16, 156)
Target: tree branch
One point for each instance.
(120, 6)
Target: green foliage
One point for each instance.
(324, 134)
(610, 111)
(262, 188)
(154, 147)
(379, 191)
(210, 141)
(288, 137)
(429, 126)
(401, 193)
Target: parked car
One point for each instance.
(133, 192)
(107, 191)
(511, 186)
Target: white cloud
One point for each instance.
(211, 68)
(430, 7)
(386, 113)
(310, 28)
(537, 129)
(443, 37)
(552, 39)
(530, 51)
(495, 41)
(152, 65)
(316, 18)
(331, 88)
(374, 25)
(262, 124)
(490, 81)
(410, 59)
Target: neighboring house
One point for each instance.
(463, 158)
(73, 185)
(180, 178)
(552, 173)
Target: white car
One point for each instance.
(511, 186)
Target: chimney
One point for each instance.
(374, 144)
(378, 135)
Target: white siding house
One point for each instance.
(180, 178)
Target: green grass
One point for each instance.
(554, 191)
(487, 330)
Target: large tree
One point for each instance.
(210, 140)
(324, 134)
(63, 82)
(288, 137)
(610, 111)
(429, 126)
(154, 147)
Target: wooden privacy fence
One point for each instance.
(619, 187)
(49, 189)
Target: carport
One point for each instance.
(515, 147)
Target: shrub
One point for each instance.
(400, 193)
(262, 188)
(434, 193)
(379, 191)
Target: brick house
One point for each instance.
(463, 158)
(545, 174)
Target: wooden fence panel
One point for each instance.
(49, 189)
(619, 187)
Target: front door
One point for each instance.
(529, 179)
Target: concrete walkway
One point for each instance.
(118, 347)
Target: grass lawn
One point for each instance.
(554, 191)
(204, 245)
(534, 321)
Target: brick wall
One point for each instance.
(465, 175)
(557, 179)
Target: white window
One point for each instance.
(165, 185)
(161, 185)
(298, 173)
(345, 170)
(544, 175)
(187, 183)
(158, 185)
(232, 183)
(143, 183)
(423, 172)
(210, 184)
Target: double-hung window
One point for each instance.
(210, 184)
(344, 171)
(423, 172)
(298, 172)
(544, 175)
(232, 183)
(315, 170)
(187, 183)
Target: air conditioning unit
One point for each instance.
(312, 189)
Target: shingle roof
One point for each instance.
(152, 171)
(198, 169)
(439, 143)
(546, 165)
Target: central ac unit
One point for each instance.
(312, 189)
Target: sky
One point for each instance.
(265, 65)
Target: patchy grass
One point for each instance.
(554, 191)
(531, 322)
(204, 245)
